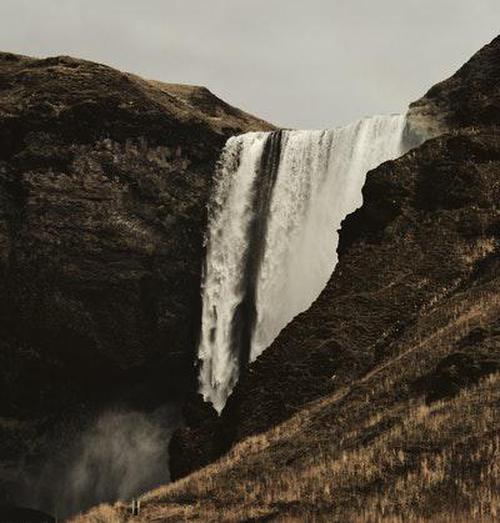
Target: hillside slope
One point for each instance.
(375, 450)
(103, 183)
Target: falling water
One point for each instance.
(272, 236)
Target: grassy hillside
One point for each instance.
(409, 441)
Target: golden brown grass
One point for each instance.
(370, 452)
(402, 461)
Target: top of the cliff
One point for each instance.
(81, 96)
(469, 98)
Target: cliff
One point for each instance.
(426, 236)
(104, 179)
(103, 183)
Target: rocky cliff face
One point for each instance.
(103, 183)
(470, 98)
(429, 231)
(104, 178)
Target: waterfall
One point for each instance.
(278, 202)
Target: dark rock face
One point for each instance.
(104, 179)
(470, 98)
(428, 230)
(103, 184)
(20, 515)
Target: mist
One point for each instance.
(117, 456)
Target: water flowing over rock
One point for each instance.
(278, 203)
(403, 254)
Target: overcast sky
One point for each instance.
(297, 63)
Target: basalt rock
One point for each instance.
(470, 98)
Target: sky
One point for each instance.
(296, 63)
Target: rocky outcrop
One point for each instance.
(429, 230)
(103, 182)
(470, 98)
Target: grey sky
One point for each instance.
(298, 63)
